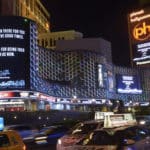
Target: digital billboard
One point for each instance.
(128, 84)
(1, 123)
(110, 81)
(100, 76)
(14, 53)
(139, 35)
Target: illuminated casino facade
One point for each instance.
(18, 41)
(139, 35)
(79, 72)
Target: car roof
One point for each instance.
(114, 129)
(93, 121)
(8, 131)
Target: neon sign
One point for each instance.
(138, 16)
(141, 31)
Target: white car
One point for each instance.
(78, 132)
(131, 137)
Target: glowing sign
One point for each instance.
(12, 33)
(138, 16)
(139, 31)
(6, 94)
(1, 123)
(128, 84)
(143, 52)
(110, 81)
(100, 75)
(14, 53)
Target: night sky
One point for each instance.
(96, 18)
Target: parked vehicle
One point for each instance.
(78, 132)
(130, 137)
(26, 131)
(50, 135)
(11, 140)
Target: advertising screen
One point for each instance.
(110, 81)
(139, 33)
(128, 84)
(100, 76)
(14, 53)
(1, 123)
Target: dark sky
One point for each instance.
(95, 18)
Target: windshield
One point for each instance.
(4, 140)
(100, 138)
(112, 137)
(83, 128)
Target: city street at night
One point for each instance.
(74, 75)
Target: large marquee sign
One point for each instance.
(14, 53)
(128, 84)
(139, 34)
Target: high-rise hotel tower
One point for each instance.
(32, 9)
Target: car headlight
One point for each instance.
(142, 122)
(41, 138)
(59, 141)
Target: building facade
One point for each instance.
(48, 40)
(79, 74)
(32, 9)
(35, 10)
(18, 40)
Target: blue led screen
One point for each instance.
(1, 123)
(128, 84)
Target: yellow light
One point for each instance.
(47, 25)
(141, 31)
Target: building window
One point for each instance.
(27, 3)
(46, 43)
(50, 41)
(43, 42)
(54, 43)
(31, 5)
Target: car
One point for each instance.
(26, 131)
(132, 137)
(78, 132)
(143, 120)
(11, 140)
(49, 135)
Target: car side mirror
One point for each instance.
(129, 141)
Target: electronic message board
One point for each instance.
(128, 84)
(14, 53)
